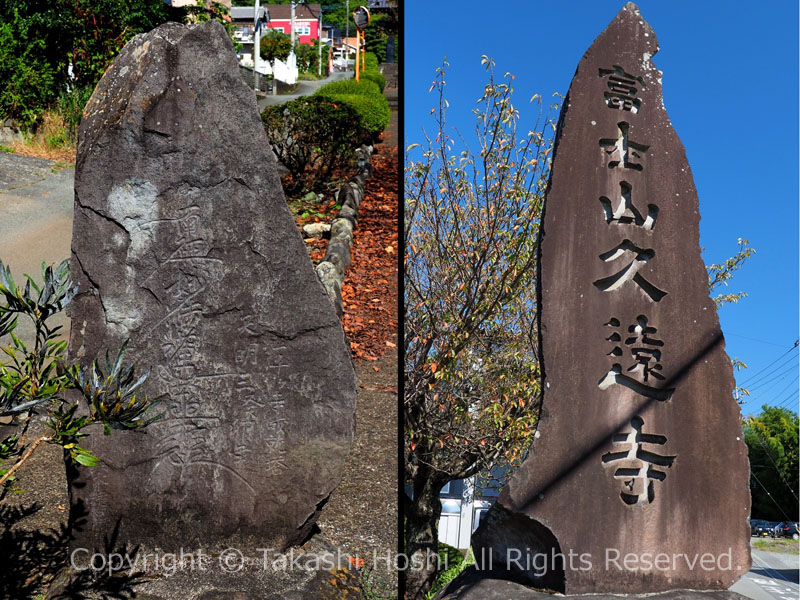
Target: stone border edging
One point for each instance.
(331, 269)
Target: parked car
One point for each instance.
(777, 531)
(760, 527)
(790, 530)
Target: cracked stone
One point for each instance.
(213, 286)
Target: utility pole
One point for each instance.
(291, 25)
(346, 33)
(256, 44)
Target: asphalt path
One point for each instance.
(36, 199)
(773, 576)
(304, 88)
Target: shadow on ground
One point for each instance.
(32, 559)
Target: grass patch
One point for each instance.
(310, 76)
(786, 546)
(455, 563)
(52, 140)
(7, 150)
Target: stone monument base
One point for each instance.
(474, 585)
(315, 570)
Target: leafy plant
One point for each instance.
(376, 77)
(722, 273)
(27, 76)
(276, 45)
(308, 57)
(471, 372)
(37, 377)
(365, 98)
(70, 107)
(453, 565)
(772, 446)
(370, 61)
(40, 41)
(312, 137)
(376, 41)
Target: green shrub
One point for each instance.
(351, 86)
(70, 107)
(36, 376)
(365, 98)
(376, 41)
(375, 76)
(312, 136)
(453, 564)
(370, 61)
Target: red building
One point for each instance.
(307, 20)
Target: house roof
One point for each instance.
(278, 12)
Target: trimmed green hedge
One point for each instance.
(365, 98)
(312, 136)
(350, 86)
(375, 76)
(370, 61)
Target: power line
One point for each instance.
(755, 376)
(790, 385)
(776, 378)
(770, 495)
(757, 340)
(764, 390)
(779, 394)
(785, 404)
(787, 399)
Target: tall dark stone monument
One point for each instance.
(183, 242)
(640, 475)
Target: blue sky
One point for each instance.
(731, 91)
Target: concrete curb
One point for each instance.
(331, 270)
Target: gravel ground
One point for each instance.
(361, 516)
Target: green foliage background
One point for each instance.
(39, 39)
(772, 445)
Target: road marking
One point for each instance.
(772, 572)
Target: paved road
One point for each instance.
(773, 576)
(304, 88)
(36, 198)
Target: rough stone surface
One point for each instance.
(640, 449)
(316, 230)
(183, 243)
(331, 279)
(471, 585)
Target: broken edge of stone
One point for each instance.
(331, 270)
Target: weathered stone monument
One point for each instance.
(183, 243)
(639, 479)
